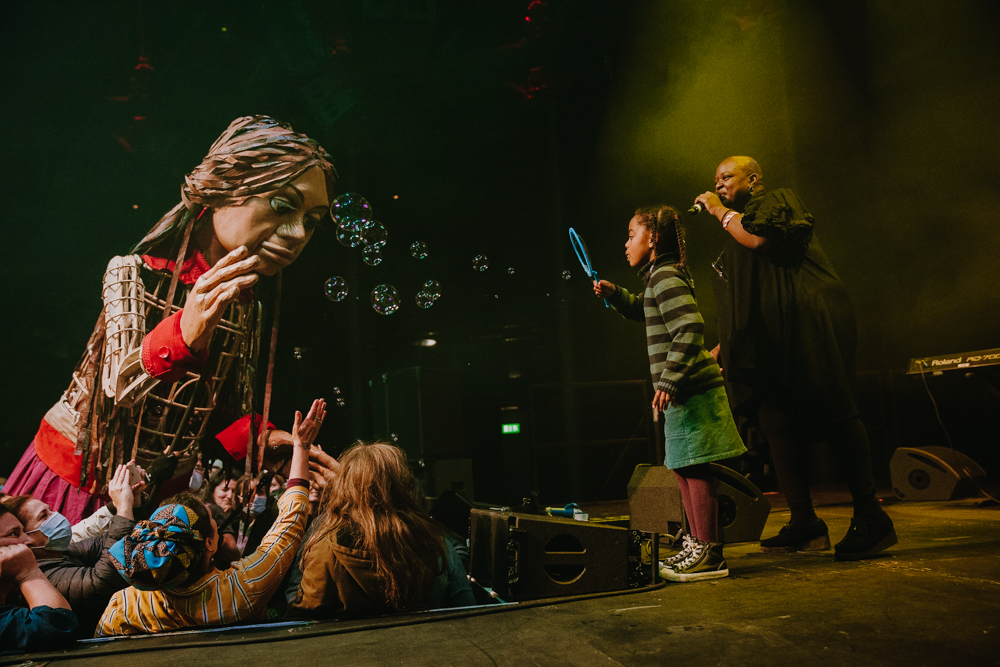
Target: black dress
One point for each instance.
(786, 323)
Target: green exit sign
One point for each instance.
(511, 428)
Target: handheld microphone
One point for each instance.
(696, 209)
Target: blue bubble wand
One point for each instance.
(580, 248)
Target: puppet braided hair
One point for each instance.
(254, 157)
(665, 224)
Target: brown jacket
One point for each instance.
(338, 580)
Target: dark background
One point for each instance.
(498, 124)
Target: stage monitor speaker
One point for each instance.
(743, 509)
(529, 557)
(933, 473)
(655, 502)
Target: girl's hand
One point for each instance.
(715, 354)
(604, 289)
(306, 429)
(711, 202)
(211, 295)
(662, 399)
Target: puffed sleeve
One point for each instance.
(779, 215)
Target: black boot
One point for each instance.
(798, 536)
(867, 537)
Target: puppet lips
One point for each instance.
(280, 253)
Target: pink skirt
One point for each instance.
(33, 477)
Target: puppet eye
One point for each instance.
(281, 206)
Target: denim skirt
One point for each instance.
(700, 430)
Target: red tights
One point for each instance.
(699, 491)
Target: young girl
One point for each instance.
(698, 425)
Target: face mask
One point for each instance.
(57, 530)
(259, 504)
(196, 480)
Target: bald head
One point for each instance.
(747, 165)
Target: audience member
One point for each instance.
(81, 571)
(47, 621)
(167, 558)
(277, 484)
(218, 497)
(374, 550)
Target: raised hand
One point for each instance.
(17, 562)
(122, 493)
(212, 293)
(305, 430)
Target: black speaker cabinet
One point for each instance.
(655, 501)
(933, 473)
(743, 509)
(528, 557)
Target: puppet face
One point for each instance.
(275, 228)
(639, 246)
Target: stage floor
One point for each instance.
(933, 599)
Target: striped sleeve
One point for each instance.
(681, 343)
(244, 590)
(628, 305)
(239, 593)
(111, 620)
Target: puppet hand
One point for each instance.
(211, 295)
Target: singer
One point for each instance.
(788, 353)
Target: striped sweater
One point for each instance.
(240, 593)
(678, 361)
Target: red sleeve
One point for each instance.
(235, 436)
(164, 354)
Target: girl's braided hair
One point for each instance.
(664, 222)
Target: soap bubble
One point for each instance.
(480, 263)
(510, 270)
(373, 233)
(350, 205)
(349, 232)
(433, 288)
(566, 275)
(335, 288)
(425, 300)
(340, 402)
(395, 438)
(336, 391)
(385, 299)
(372, 254)
(418, 249)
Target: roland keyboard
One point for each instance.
(948, 362)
